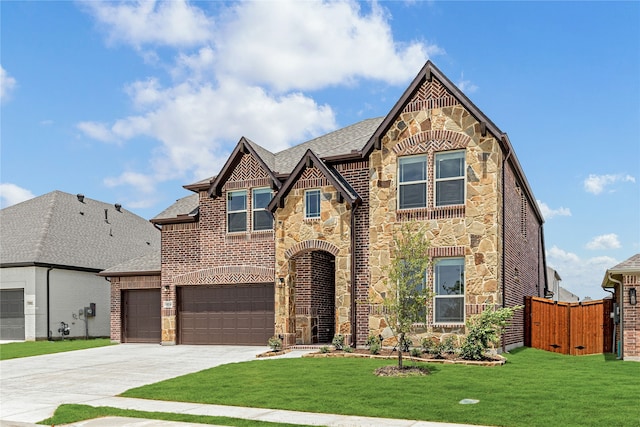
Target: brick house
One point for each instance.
(296, 243)
(624, 279)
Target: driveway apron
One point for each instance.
(31, 388)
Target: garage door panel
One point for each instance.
(142, 320)
(235, 314)
(12, 314)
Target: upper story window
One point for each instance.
(449, 290)
(450, 169)
(312, 204)
(412, 182)
(262, 218)
(236, 211)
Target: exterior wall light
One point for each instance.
(633, 299)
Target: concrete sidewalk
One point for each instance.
(31, 388)
(256, 414)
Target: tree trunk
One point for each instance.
(400, 351)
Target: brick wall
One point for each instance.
(631, 320)
(523, 254)
(357, 175)
(120, 284)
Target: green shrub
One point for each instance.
(416, 352)
(324, 349)
(338, 341)
(375, 347)
(484, 329)
(275, 343)
(430, 345)
(449, 345)
(348, 349)
(372, 340)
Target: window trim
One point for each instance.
(306, 195)
(436, 180)
(229, 212)
(425, 182)
(461, 296)
(264, 209)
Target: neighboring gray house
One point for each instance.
(557, 292)
(51, 249)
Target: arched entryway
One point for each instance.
(313, 276)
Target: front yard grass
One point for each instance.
(535, 388)
(66, 414)
(36, 348)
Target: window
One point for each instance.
(262, 219)
(449, 178)
(236, 211)
(312, 204)
(412, 182)
(449, 289)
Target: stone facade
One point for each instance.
(330, 272)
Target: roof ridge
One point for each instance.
(44, 232)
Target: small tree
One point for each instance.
(405, 302)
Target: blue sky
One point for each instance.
(127, 102)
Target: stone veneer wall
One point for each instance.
(295, 234)
(201, 253)
(434, 121)
(119, 284)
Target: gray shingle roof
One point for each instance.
(149, 263)
(58, 229)
(341, 141)
(185, 206)
(630, 265)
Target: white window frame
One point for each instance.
(461, 296)
(425, 181)
(462, 177)
(307, 194)
(230, 212)
(264, 209)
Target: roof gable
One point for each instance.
(243, 147)
(310, 159)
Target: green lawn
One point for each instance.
(535, 388)
(35, 348)
(66, 414)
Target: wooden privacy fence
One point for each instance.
(569, 328)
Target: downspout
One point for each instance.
(49, 335)
(504, 252)
(613, 341)
(620, 305)
(353, 277)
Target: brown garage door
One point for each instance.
(12, 314)
(142, 315)
(227, 314)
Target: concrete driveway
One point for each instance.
(31, 388)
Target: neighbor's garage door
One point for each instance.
(12, 314)
(227, 314)
(142, 315)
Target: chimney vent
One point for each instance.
(80, 197)
(106, 216)
(118, 207)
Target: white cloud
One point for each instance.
(549, 213)
(7, 84)
(170, 23)
(244, 77)
(466, 86)
(596, 184)
(605, 241)
(581, 276)
(10, 194)
(95, 130)
(139, 181)
(308, 45)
